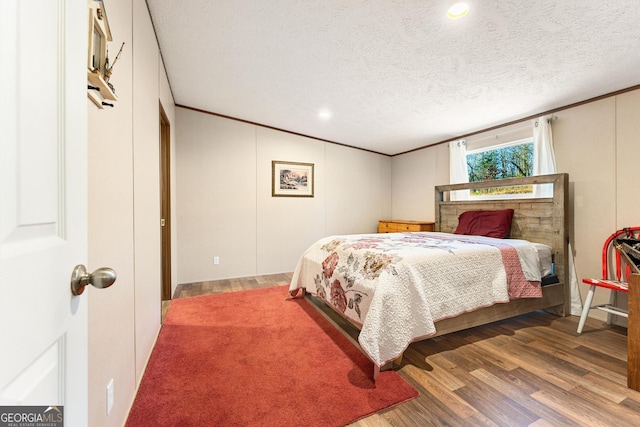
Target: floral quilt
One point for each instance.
(395, 286)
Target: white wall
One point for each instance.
(124, 214)
(595, 143)
(286, 226)
(146, 185)
(224, 202)
(414, 176)
(360, 190)
(111, 243)
(627, 149)
(215, 168)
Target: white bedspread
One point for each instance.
(395, 286)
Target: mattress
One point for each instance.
(545, 254)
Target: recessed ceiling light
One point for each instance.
(324, 114)
(458, 10)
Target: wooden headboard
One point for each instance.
(541, 220)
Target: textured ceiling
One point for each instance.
(396, 75)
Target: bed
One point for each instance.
(403, 287)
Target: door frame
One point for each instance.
(165, 202)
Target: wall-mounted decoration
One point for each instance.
(99, 69)
(291, 179)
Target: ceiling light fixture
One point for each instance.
(458, 10)
(324, 114)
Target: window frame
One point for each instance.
(484, 148)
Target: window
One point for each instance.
(508, 160)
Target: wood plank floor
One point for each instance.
(532, 370)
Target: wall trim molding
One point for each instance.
(467, 135)
(513, 122)
(275, 128)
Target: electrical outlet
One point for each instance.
(109, 396)
(216, 260)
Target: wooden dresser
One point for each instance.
(396, 226)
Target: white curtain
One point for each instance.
(458, 168)
(544, 162)
(576, 301)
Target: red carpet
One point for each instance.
(252, 358)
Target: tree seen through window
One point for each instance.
(512, 161)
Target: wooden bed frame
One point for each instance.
(541, 220)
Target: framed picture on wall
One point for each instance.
(291, 179)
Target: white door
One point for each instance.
(43, 146)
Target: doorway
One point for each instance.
(165, 200)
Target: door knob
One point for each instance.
(101, 278)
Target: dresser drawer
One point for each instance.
(410, 227)
(387, 227)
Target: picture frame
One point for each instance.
(99, 90)
(291, 179)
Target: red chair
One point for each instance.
(615, 270)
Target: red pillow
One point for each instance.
(485, 223)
